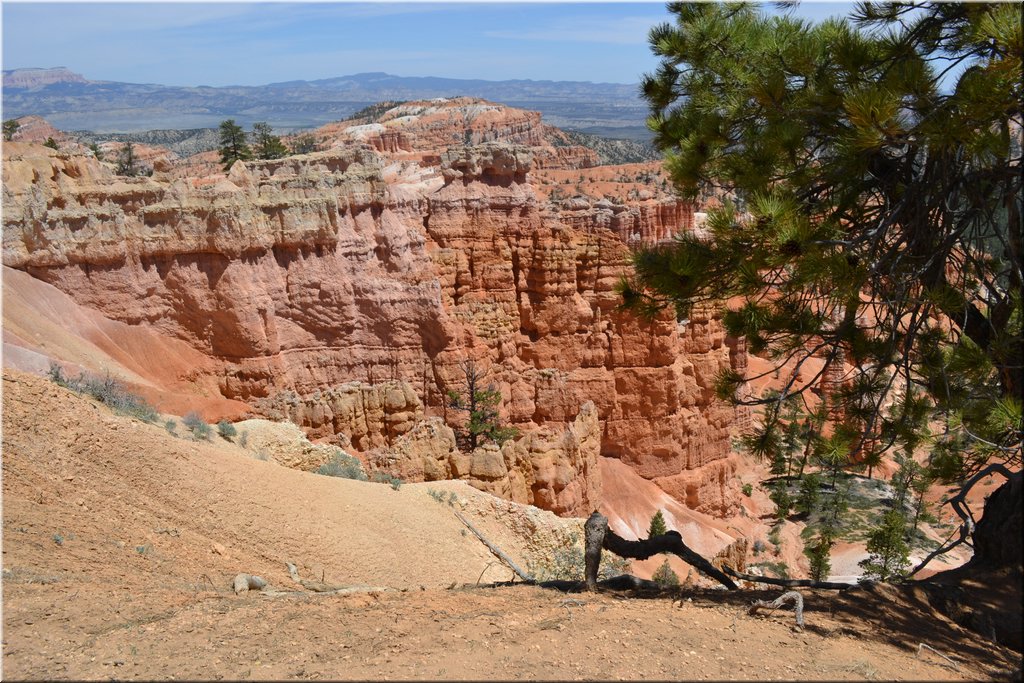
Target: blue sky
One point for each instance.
(244, 43)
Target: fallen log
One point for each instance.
(598, 536)
(495, 550)
(803, 583)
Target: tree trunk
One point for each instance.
(598, 536)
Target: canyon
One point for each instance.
(342, 290)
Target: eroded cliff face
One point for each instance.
(306, 274)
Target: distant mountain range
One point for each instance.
(71, 102)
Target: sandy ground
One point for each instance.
(120, 543)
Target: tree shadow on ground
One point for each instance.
(903, 616)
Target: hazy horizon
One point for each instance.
(250, 44)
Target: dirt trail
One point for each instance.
(120, 543)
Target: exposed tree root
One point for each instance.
(791, 596)
(803, 583)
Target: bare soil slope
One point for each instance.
(120, 543)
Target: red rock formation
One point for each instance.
(313, 271)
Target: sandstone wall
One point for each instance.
(311, 272)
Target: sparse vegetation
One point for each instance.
(610, 151)
(195, 424)
(171, 426)
(665, 576)
(303, 144)
(778, 569)
(748, 490)
(226, 430)
(51, 143)
(385, 478)
(344, 466)
(373, 112)
(106, 390)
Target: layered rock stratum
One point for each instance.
(344, 290)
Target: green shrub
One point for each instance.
(106, 390)
(226, 430)
(344, 466)
(196, 425)
(748, 490)
(171, 426)
(665, 577)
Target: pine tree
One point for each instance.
(657, 527)
(888, 553)
(810, 492)
(818, 554)
(233, 146)
(267, 145)
(783, 501)
(303, 144)
(51, 143)
(481, 404)
(872, 176)
(126, 163)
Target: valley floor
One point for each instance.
(120, 542)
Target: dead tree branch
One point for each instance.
(921, 646)
(791, 596)
(959, 505)
(599, 536)
(803, 583)
(496, 550)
